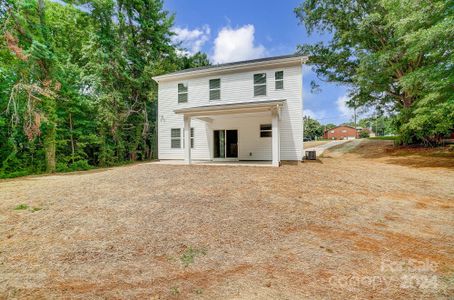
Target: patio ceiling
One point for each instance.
(231, 108)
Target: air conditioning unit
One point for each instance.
(311, 155)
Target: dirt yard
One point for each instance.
(367, 221)
(315, 143)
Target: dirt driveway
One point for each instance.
(363, 223)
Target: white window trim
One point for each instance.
(266, 130)
(172, 138)
(259, 84)
(182, 93)
(192, 137)
(279, 80)
(217, 89)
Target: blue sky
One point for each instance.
(235, 30)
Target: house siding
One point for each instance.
(235, 88)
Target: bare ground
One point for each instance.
(312, 144)
(366, 222)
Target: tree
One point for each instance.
(312, 128)
(380, 125)
(393, 54)
(33, 94)
(329, 126)
(75, 85)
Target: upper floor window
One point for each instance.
(279, 80)
(260, 84)
(182, 92)
(215, 89)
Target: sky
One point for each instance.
(237, 30)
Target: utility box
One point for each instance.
(311, 155)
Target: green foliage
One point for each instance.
(21, 207)
(174, 291)
(312, 128)
(385, 138)
(396, 55)
(93, 102)
(329, 126)
(190, 254)
(363, 134)
(380, 125)
(27, 207)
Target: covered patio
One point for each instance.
(211, 114)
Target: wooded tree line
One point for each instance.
(395, 55)
(379, 125)
(75, 82)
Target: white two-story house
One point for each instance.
(249, 110)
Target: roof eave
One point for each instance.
(205, 72)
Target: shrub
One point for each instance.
(363, 134)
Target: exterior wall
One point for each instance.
(235, 88)
(341, 133)
(250, 145)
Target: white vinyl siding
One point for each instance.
(236, 87)
(260, 84)
(182, 92)
(279, 80)
(215, 89)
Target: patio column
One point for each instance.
(275, 139)
(187, 139)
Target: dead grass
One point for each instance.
(312, 144)
(211, 232)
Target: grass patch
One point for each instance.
(27, 207)
(385, 138)
(175, 291)
(22, 207)
(190, 254)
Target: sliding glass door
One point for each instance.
(225, 144)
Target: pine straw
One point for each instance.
(259, 233)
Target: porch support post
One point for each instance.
(275, 139)
(187, 139)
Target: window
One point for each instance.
(215, 89)
(279, 80)
(266, 130)
(344, 131)
(182, 92)
(260, 84)
(332, 131)
(192, 137)
(175, 138)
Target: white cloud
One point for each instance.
(236, 44)
(191, 41)
(342, 107)
(317, 115)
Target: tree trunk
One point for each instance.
(71, 136)
(50, 145)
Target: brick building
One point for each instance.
(342, 132)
